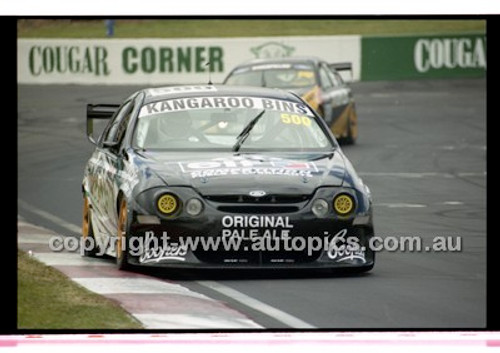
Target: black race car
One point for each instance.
(219, 176)
(318, 82)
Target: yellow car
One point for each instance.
(316, 81)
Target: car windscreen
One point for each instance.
(275, 76)
(229, 124)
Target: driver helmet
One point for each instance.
(175, 124)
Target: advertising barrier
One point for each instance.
(187, 61)
(166, 61)
(414, 57)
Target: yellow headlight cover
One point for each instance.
(167, 204)
(343, 204)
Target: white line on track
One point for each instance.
(54, 219)
(401, 205)
(244, 299)
(453, 203)
(422, 175)
(471, 174)
(250, 302)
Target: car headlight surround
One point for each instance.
(167, 204)
(343, 204)
(194, 207)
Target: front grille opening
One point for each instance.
(261, 209)
(267, 199)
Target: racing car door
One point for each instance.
(335, 94)
(109, 167)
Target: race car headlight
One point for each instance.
(343, 204)
(194, 207)
(320, 208)
(167, 204)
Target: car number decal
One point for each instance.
(295, 119)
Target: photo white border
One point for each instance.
(254, 7)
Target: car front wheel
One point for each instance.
(89, 243)
(121, 237)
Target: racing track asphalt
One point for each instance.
(422, 151)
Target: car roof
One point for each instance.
(172, 92)
(290, 59)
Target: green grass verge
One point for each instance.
(47, 299)
(186, 28)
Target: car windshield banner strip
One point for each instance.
(180, 104)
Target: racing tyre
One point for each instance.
(363, 269)
(121, 237)
(90, 246)
(349, 139)
(350, 270)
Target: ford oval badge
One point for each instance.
(257, 193)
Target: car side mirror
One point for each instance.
(90, 132)
(111, 145)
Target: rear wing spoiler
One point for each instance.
(345, 66)
(98, 111)
(341, 66)
(101, 111)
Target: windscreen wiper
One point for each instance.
(246, 131)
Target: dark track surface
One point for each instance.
(421, 150)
